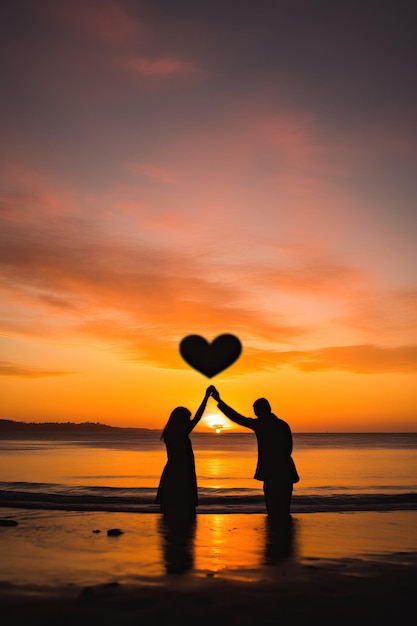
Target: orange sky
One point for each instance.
(188, 170)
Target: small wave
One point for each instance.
(142, 500)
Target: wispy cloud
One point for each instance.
(162, 66)
(363, 359)
(154, 172)
(122, 287)
(107, 21)
(71, 263)
(19, 371)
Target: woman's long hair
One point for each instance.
(177, 421)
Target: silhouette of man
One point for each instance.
(275, 467)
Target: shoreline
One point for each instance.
(215, 505)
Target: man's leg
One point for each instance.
(278, 499)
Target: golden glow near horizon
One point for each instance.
(217, 422)
(283, 219)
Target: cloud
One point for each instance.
(76, 266)
(161, 66)
(100, 282)
(308, 270)
(156, 342)
(390, 313)
(355, 359)
(360, 359)
(154, 172)
(19, 371)
(105, 20)
(121, 33)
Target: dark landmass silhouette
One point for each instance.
(15, 428)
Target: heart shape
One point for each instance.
(210, 358)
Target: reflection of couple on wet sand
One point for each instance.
(177, 491)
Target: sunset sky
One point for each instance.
(181, 167)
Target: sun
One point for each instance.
(216, 422)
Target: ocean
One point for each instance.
(120, 473)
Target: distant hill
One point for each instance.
(10, 427)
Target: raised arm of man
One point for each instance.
(247, 422)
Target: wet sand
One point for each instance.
(226, 569)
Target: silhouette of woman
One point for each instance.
(177, 491)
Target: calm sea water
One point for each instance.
(338, 472)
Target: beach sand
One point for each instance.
(228, 569)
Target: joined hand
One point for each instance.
(214, 392)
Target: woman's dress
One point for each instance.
(177, 492)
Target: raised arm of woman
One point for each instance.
(199, 413)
